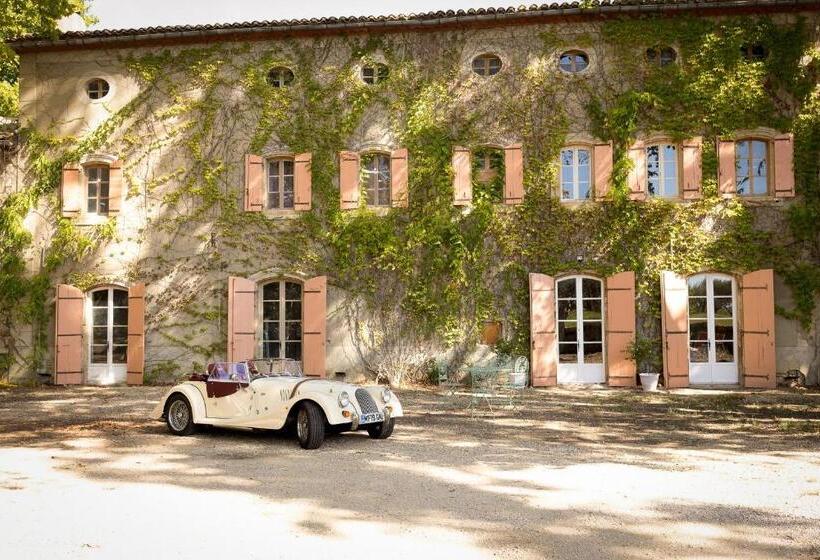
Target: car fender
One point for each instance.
(328, 403)
(394, 404)
(190, 392)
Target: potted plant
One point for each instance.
(643, 351)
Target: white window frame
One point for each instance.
(575, 165)
(768, 157)
(580, 371)
(365, 178)
(283, 340)
(712, 371)
(269, 163)
(660, 144)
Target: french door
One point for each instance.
(580, 330)
(712, 330)
(108, 335)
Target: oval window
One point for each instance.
(280, 76)
(573, 61)
(97, 88)
(375, 73)
(487, 65)
(661, 56)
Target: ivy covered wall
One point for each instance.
(407, 282)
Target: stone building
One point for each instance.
(397, 194)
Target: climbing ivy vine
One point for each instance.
(444, 269)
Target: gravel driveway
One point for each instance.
(566, 474)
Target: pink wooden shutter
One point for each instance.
(136, 334)
(114, 187)
(620, 328)
(544, 357)
(398, 177)
(637, 175)
(68, 341)
(513, 174)
(314, 326)
(675, 329)
(602, 160)
(727, 182)
(784, 165)
(302, 183)
(349, 180)
(462, 177)
(241, 319)
(71, 194)
(254, 183)
(692, 167)
(757, 329)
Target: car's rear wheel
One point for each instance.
(179, 416)
(382, 430)
(310, 425)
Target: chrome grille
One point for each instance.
(366, 402)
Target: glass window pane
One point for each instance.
(698, 330)
(99, 354)
(567, 331)
(724, 329)
(592, 309)
(758, 149)
(120, 335)
(270, 350)
(742, 150)
(593, 332)
(722, 286)
(120, 316)
(270, 310)
(293, 350)
(566, 310)
(697, 285)
(293, 291)
(271, 291)
(593, 353)
(92, 205)
(590, 288)
(293, 310)
(120, 298)
(293, 330)
(568, 353)
(99, 298)
(270, 330)
(99, 335)
(119, 354)
(697, 308)
(723, 307)
(99, 316)
(725, 351)
(566, 288)
(699, 352)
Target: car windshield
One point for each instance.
(276, 367)
(229, 371)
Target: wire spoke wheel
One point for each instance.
(179, 415)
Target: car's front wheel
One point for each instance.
(179, 416)
(310, 426)
(382, 430)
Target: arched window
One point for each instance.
(282, 319)
(712, 329)
(108, 340)
(281, 76)
(580, 330)
(661, 56)
(97, 88)
(375, 73)
(280, 183)
(573, 61)
(376, 177)
(487, 64)
(752, 167)
(575, 174)
(98, 181)
(662, 170)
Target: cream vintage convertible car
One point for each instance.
(274, 395)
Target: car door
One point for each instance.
(228, 392)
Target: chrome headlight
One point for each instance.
(344, 399)
(387, 395)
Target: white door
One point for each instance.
(712, 330)
(580, 330)
(108, 335)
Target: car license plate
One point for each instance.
(372, 417)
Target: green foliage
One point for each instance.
(446, 268)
